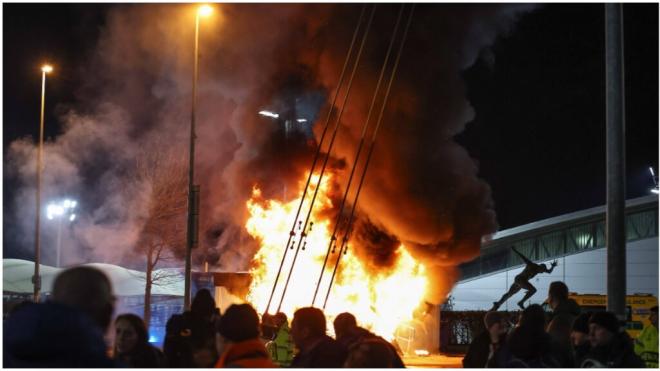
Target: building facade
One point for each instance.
(577, 242)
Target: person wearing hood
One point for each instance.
(611, 347)
(237, 339)
(66, 332)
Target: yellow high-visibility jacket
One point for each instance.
(281, 348)
(646, 346)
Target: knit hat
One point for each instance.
(581, 323)
(606, 320)
(240, 322)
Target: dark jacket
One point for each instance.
(359, 334)
(566, 310)
(186, 334)
(526, 348)
(580, 352)
(477, 353)
(326, 353)
(54, 336)
(618, 354)
(145, 356)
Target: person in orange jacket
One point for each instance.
(237, 339)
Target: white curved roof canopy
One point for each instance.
(17, 277)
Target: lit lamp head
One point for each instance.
(46, 68)
(204, 10)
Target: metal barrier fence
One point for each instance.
(458, 329)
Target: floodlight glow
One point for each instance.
(62, 209)
(301, 120)
(205, 10)
(47, 68)
(651, 170)
(655, 190)
(269, 114)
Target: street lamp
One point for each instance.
(287, 121)
(193, 191)
(36, 279)
(61, 211)
(655, 181)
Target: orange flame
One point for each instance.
(379, 300)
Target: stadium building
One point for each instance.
(577, 242)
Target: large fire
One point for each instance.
(380, 300)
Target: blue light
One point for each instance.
(153, 339)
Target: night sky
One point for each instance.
(538, 94)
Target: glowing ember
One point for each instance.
(379, 300)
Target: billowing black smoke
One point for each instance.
(422, 188)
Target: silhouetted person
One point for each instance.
(132, 343)
(646, 344)
(580, 338)
(371, 353)
(521, 281)
(190, 337)
(611, 347)
(66, 332)
(317, 350)
(238, 341)
(349, 334)
(528, 345)
(484, 345)
(563, 307)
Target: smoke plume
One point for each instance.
(422, 189)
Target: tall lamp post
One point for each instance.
(36, 279)
(193, 191)
(61, 211)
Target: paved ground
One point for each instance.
(433, 361)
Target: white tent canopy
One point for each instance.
(17, 277)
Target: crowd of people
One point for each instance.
(69, 331)
(562, 338)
